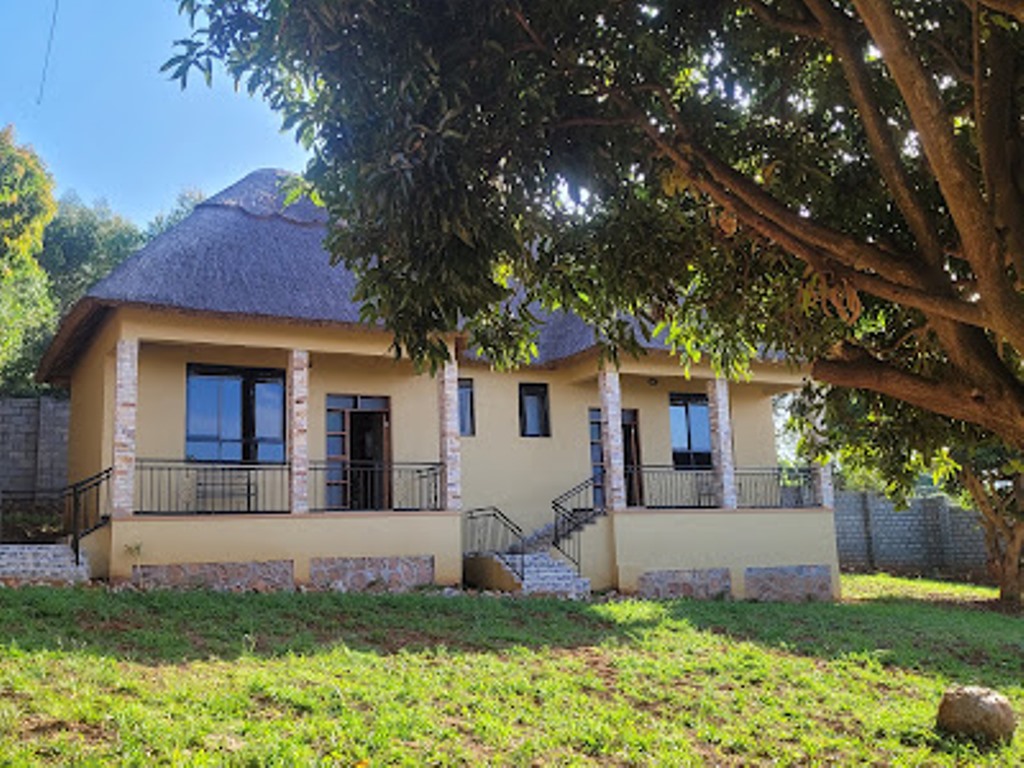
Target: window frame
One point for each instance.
(529, 390)
(249, 378)
(466, 386)
(696, 460)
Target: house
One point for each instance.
(236, 424)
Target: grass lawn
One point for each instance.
(90, 677)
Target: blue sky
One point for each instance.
(110, 125)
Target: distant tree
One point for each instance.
(82, 245)
(26, 207)
(874, 436)
(184, 204)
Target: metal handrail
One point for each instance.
(69, 512)
(479, 538)
(86, 518)
(570, 518)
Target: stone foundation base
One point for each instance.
(356, 574)
(791, 584)
(271, 575)
(702, 584)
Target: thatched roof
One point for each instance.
(243, 252)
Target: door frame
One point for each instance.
(346, 405)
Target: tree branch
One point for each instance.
(976, 487)
(959, 185)
(951, 397)
(1014, 8)
(771, 17)
(883, 148)
(999, 136)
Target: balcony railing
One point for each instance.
(661, 487)
(776, 488)
(369, 486)
(164, 487)
(202, 488)
(665, 487)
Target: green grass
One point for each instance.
(90, 677)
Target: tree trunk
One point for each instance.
(1011, 576)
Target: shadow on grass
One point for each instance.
(171, 626)
(958, 641)
(163, 626)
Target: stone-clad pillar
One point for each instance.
(450, 441)
(722, 458)
(298, 430)
(824, 486)
(611, 440)
(126, 396)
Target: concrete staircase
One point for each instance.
(543, 538)
(47, 563)
(542, 575)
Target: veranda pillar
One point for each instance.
(611, 440)
(450, 448)
(298, 430)
(722, 458)
(126, 397)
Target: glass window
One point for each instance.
(533, 410)
(690, 425)
(234, 414)
(467, 415)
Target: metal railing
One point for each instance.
(166, 487)
(573, 510)
(370, 486)
(489, 531)
(90, 506)
(51, 516)
(665, 487)
(776, 488)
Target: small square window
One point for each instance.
(534, 420)
(467, 415)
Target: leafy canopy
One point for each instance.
(26, 206)
(838, 179)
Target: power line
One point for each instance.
(49, 47)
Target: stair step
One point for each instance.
(41, 562)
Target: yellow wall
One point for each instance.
(652, 540)
(90, 430)
(193, 329)
(160, 430)
(521, 475)
(597, 554)
(231, 538)
(96, 548)
(753, 434)
(162, 396)
(414, 416)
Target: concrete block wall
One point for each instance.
(33, 443)
(932, 536)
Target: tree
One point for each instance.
(184, 204)
(26, 206)
(859, 159)
(81, 245)
(885, 438)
